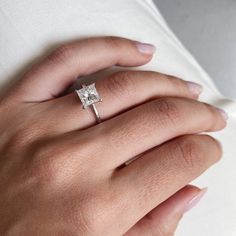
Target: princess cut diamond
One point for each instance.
(88, 95)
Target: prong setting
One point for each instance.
(88, 95)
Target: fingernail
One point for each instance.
(223, 113)
(146, 48)
(193, 202)
(194, 88)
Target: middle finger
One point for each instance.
(120, 91)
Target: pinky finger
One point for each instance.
(164, 219)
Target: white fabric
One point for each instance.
(28, 28)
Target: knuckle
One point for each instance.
(42, 165)
(25, 136)
(112, 42)
(168, 112)
(189, 150)
(49, 164)
(61, 54)
(165, 77)
(121, 83)
(53, 161)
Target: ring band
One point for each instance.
(89, 96)
(98, 118)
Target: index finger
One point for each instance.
(54, 74)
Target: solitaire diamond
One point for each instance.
(88, 95)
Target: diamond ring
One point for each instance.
(89, 96)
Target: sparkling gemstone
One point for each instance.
(88, 95)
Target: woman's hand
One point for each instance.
(61, 174)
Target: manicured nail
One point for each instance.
(223, 113)
(192, 203)
(194, 88)
(146, 48)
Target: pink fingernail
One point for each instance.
(192, 203)
(223, 113)
(146, 48)
(194, 88)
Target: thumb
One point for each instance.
(164, 219)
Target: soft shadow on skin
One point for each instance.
(45, 52)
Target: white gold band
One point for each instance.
(89, 96)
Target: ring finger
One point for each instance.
(119, 92)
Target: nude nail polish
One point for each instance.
(146, 48)
(194, 201)
(194, 88)
(223, 113)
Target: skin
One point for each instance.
(62, 174)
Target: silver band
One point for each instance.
(89, 96)
(98, 118)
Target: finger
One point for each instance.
(54, 74)
(164, 219)
(152, 124)
(121, 91)
(158, 174)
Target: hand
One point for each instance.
(61, 174)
